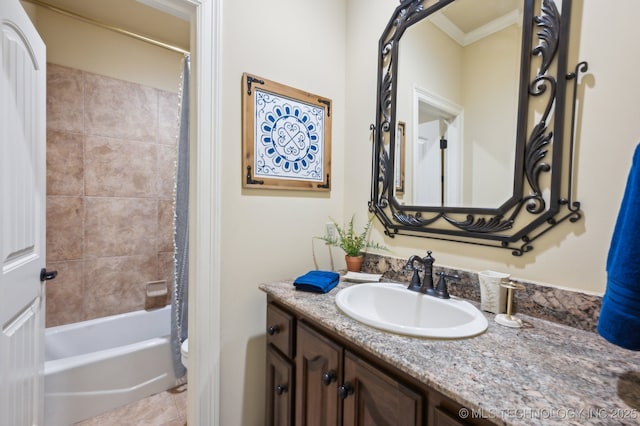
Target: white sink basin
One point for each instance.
(391, 307)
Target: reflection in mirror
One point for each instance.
(460, 103)
(436, 152)
(479, 102)
(400, 157)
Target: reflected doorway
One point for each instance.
(437, 151)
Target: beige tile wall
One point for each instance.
(111, 153)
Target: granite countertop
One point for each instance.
(542, 374)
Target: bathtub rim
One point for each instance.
(50, 333)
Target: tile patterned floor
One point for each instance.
(163, 409)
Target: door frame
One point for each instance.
(203, 406)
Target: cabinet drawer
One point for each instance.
(280, 330)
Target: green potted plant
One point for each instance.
(352, 243)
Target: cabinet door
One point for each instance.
(318, 369)
(371, 397)
(280, 390)
(442, 418)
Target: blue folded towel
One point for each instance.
(619, 320)
(317, 281)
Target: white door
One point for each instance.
(426, 181)
(428, 176)
(22, 216)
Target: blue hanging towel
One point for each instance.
(317, 281)
(619, 320)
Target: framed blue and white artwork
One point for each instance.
(286, 137)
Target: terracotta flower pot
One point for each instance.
(354, 264)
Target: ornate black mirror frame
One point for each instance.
(537, 204)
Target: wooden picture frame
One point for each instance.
(399, 157)
(286, 137)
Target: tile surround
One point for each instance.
(114, 285)
(64, 228)
(166, 272)
(572, 308)
(65, 99)
(107, 175)
(120, 226)
(120, 109)
(166, 160)
(65, 294)
(65, 163)
(111, 154)
(168, 109)
(165, 240)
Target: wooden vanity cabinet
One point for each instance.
(331, 382)
(280, 383)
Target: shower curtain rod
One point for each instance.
(108, 27)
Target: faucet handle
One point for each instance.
(415, 281)
(428, 259)
(441, 289)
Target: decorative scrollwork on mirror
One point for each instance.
(540, 173)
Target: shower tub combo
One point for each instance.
(97, 365)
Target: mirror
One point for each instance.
(460, 108)
(468, 139)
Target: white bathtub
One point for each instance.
(97, 365)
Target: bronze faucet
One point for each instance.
(426, 286)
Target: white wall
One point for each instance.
(83, 46)
(572, 255)
(267, 234)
